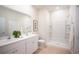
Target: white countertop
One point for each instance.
(12, 40)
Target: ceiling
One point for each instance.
(51, 7)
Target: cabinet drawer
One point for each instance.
(17, 47)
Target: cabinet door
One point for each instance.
(31, 45)
(14, 48)
(35, 43)
(20, 47)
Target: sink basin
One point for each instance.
(5, 41)
(5, 37)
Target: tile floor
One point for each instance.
(52, 50)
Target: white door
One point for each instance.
(58, 26)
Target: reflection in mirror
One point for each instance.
(2, 26)
(11, 20)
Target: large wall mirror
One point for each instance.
(11, 20)
(2, 26)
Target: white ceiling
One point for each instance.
(51, 7)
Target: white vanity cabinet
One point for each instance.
(31, 45)
(14, 48)
(25, 45)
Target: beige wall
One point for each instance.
(75, 17)
(43, 24)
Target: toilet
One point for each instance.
(41, 43)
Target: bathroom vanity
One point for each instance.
(25, 45)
